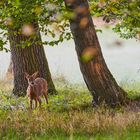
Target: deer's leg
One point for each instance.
(46, 97)
(31, 103)
(39, 100)
(35, 103)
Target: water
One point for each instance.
(122, 58)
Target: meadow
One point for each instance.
(69, 115)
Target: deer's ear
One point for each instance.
(26, 75)
(35, 75)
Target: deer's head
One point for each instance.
(31, 78)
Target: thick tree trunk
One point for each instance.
(29, 59)
(96, 74)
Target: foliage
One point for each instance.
(126, 14)
(21, 16)
(53, 17)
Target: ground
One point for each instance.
(69, 115)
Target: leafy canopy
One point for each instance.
(52, 16)
(20, 16)
(125, 13)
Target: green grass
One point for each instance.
(69, 116)
(61, 136)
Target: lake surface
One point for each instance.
(122, 58)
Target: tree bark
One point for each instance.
(29, 59)
(96, 74)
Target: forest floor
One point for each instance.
(68, 116)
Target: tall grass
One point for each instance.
(69, 115)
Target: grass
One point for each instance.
(69, 116)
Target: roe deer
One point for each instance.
(37, 87)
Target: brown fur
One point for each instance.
(37, 87)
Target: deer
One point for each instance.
(37, 87)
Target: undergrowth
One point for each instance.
(69, 115)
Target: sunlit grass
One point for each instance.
(90, 124)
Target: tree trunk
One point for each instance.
(29, 59)
(96, 74)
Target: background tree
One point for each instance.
(25, 44)
(28, 59)
(9, 73)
